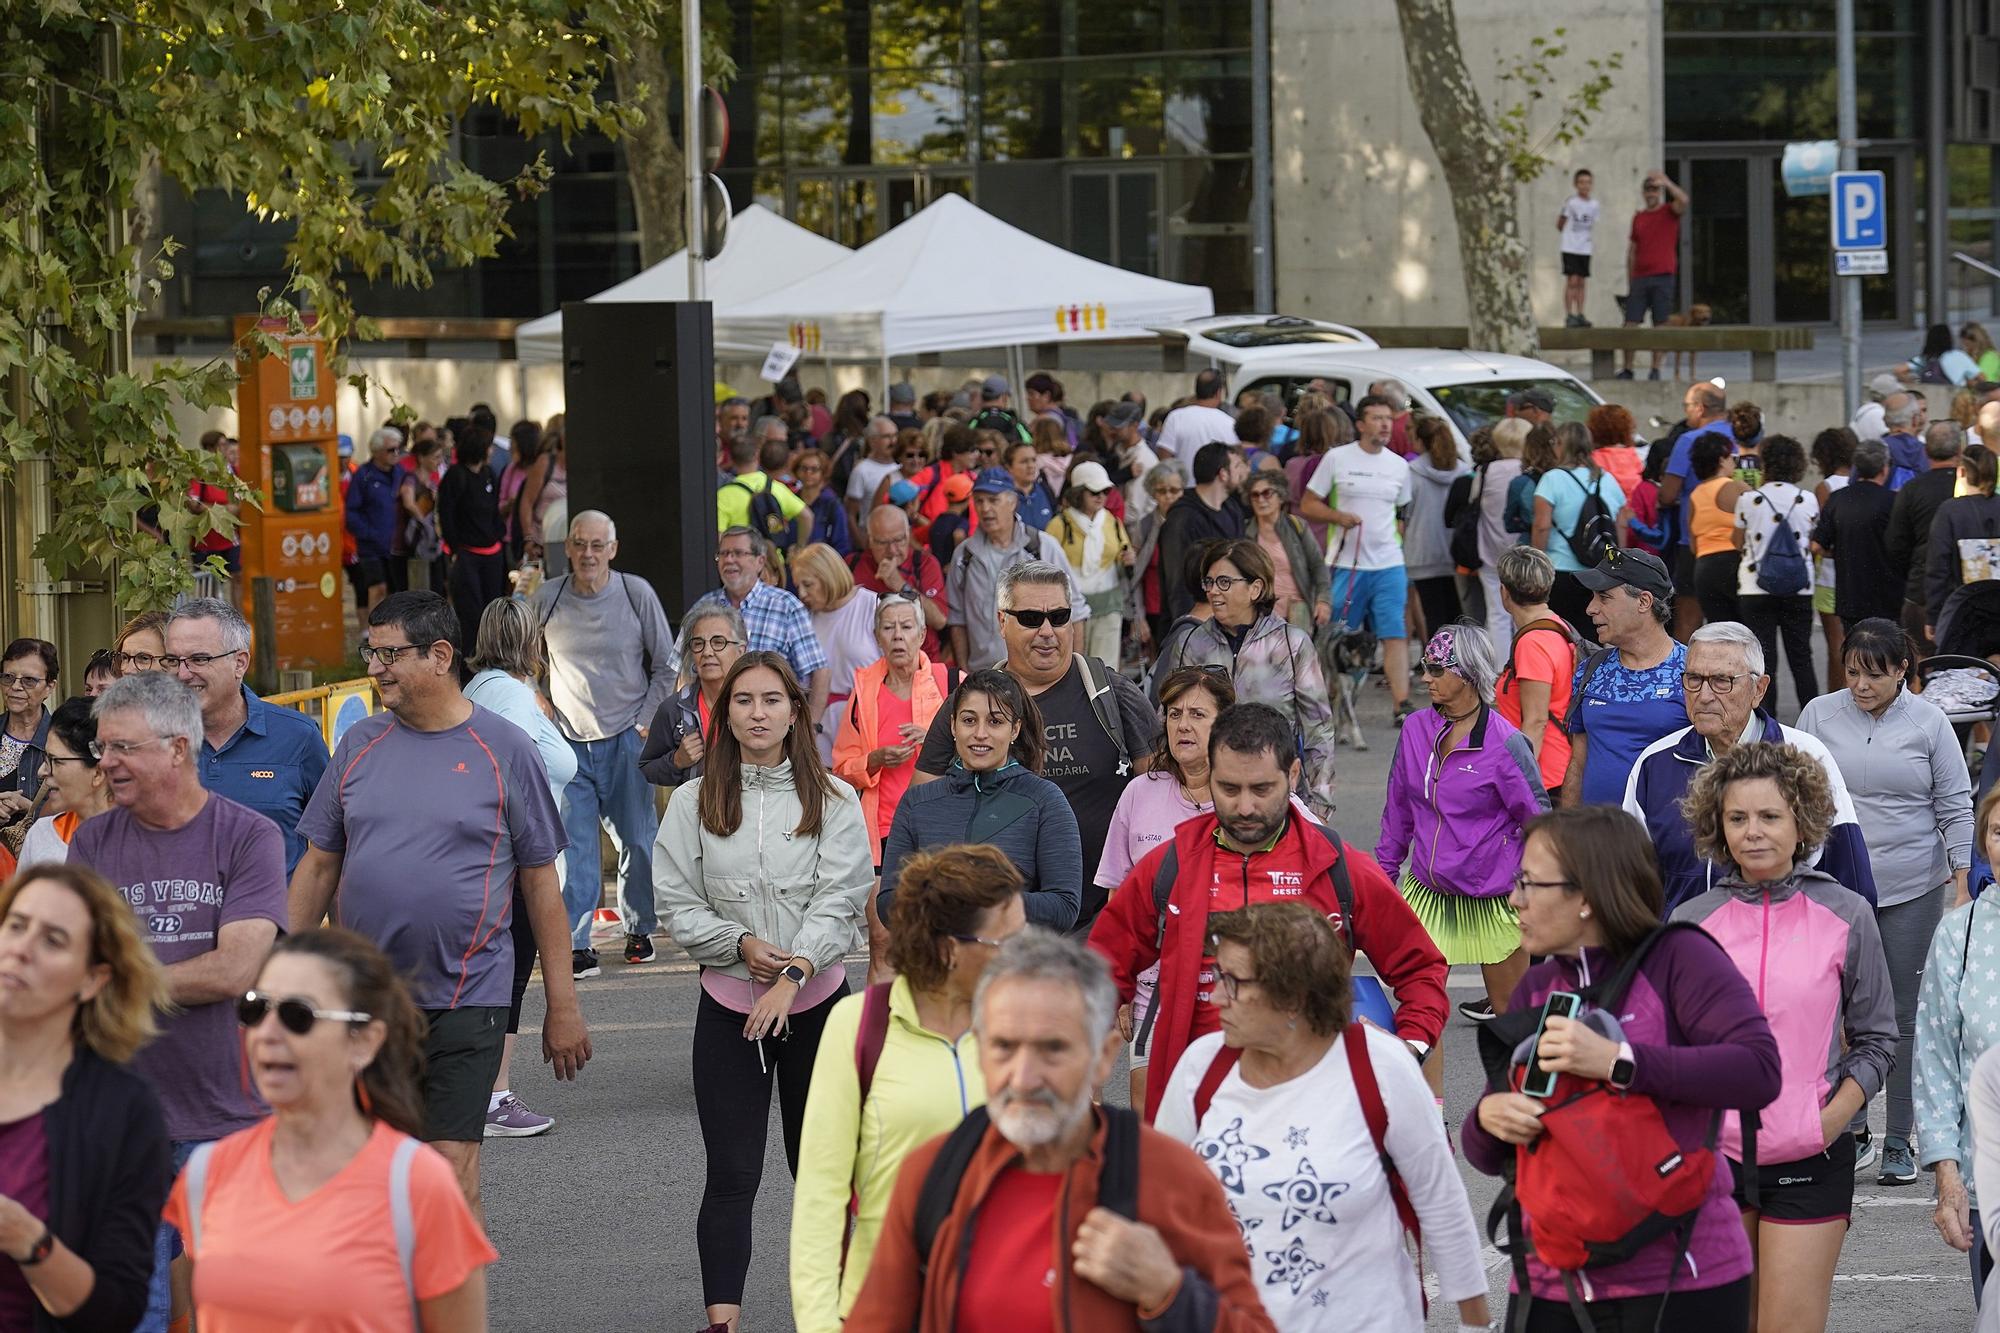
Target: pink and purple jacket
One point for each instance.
(1699, 1043)
(1453, 821)
(1813, 957)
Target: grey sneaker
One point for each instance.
(1899, 1164)
(1866, 1150)
(511, 1120)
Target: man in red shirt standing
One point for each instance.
(1254, 848)
(1652, 258)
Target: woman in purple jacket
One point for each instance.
(1694, 1040)
(1463, 783)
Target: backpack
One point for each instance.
(402, 1214)
(1163, 891)
(1462, 514)
(1097, 684)
(1578, 644)
(767, 516)
(1596, 526)
(1519, 514)
(1930, 370)
(1598, 657)
(1782, 570)
(1606, 1177)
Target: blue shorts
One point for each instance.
(1381, 597)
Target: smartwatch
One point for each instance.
(40, 1250)
(1622, 1068)
(794, 974)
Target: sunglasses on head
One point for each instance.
(1036, 619)
(297, 1016)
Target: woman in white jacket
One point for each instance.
(760, 871)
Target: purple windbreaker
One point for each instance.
(1699, 1042)
(1454, 820)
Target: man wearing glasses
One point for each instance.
(404, 826)
(776, 621)
(611, 664)
(1725, 683)
(206, 878)
(256, 754)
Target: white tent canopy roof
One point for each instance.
(764, 252)
(954, 277)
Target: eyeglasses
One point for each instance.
(64, 759)
(1264, 494)
(1036, 619)
(714, 645)
(1522, 884)
(199, 661)
(915, 455)
(296, 1015)
(12, 680)
(124, 749)
(1222, 582)
(735, 555)
(590, 548)
(1230, 985)
(135, 661)
(1722, 685)
(388, 654)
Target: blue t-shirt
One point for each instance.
(1622, 712)
(272, 764)
(1681, 464)
(1565, 489)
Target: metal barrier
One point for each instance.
(336, 706)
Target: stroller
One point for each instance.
(1960, 678)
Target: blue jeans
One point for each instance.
(166, 1248)
(609, 789)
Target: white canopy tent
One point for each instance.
(954, 277)
(764, 252)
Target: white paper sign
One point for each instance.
(779, 362)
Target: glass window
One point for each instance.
(1484, 402)
(1782, 88)
(1762, 16)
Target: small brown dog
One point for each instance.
(1694, 317)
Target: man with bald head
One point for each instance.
(1988, 430)
(893, 562)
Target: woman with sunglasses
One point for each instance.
(76, 788)
(994, 793)
(760, 870)
(957, 906)
(1269, 661)
(84, 1167)
(292, 1223)
(1303, 597)
(711, 641)
(1461, 788)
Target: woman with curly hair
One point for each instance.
(1612, 432)
(1810, 950)
(916, 1077)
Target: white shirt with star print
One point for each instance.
(1301, 1177)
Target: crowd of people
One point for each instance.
(1043, 711)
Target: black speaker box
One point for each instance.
(639, 399)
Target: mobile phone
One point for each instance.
(1539, 1082)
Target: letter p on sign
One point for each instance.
(1860, 211)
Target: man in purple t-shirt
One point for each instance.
(426, 819)
(206, 878)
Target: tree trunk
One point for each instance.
(1477, 173)
(653, 162)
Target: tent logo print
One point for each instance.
(1080, 318)
(806, 335)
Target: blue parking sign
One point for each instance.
(1860, 211)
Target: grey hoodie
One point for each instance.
(1426, 540)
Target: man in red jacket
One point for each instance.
(1255, 849)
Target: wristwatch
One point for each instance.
(1622, 1068)
(1419, 1049)
(794, 974)
(40, 1250)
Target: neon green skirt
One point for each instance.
(1465, 930)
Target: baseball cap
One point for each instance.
(1870, 422)
(995, 386)
(1125, 414)
(346, 446)
(1539, 399)
(1883, 385)
(957, 488)
(902, 392)
(1641, 571)
(994, 481)
(1090, 475)
(902, 491)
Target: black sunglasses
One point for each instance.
(296, 1015)
(1036, 619)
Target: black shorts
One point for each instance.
(461, 1060)
(1652, 294)
(1575, 266)
(1819, 1188)
(1683, 572)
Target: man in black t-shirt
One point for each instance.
(1083, 757)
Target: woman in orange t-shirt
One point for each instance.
(1534, 687)
(293, 1224)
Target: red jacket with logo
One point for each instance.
(1384, 929)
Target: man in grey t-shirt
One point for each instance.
(429, 818)
(611, 665)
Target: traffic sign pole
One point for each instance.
(1848, 128)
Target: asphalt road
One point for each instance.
(595, 1220)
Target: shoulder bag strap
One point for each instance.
(196, 1175)
(1211, 1079)
(403, 1220)
(1362, 1070)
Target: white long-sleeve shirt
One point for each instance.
(1301, 1177)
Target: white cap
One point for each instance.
(1090, 475)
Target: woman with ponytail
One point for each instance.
(330, 1214)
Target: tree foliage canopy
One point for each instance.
(277, 100)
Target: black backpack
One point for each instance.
(1462, 510)
(767, 517)
(1596, 526)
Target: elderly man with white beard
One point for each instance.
(1040, 1155)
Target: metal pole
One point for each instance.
(1264, 289)
(1937, 171)
(693, 187)
(1850, 288)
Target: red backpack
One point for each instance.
(1606, 1177)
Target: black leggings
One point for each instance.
(732, 1098)
(1715, 585)
(523, 932)
(476, 580)
(1439, 599)
(1768, 617)
(1714, 1310)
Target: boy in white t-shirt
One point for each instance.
(1576, 221)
